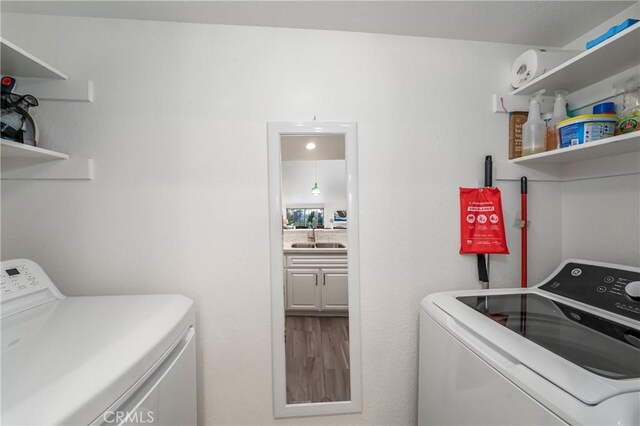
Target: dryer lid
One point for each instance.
(66, 361)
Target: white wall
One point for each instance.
(298, 178)
(179, 203)
(601, 219)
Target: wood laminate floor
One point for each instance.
(317, 352)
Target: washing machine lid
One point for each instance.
(66, 361)
(583, 353)
(599, 345)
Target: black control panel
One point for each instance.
(606, 288)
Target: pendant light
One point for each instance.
(315, 190)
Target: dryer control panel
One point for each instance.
(23, 284)
(606, 287)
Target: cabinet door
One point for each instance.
(303, 290)
(335, 290)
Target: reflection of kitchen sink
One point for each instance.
(318, 245)
(330, 245)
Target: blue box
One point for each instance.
(611, 32)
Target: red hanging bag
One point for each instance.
(482, 222)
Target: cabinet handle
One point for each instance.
(324, 278)
(316, 279)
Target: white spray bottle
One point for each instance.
(559, 114)
(534, 130)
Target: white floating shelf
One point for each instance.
(24, 162)
(19, 63)
(10, 149)
(622, 144)
(611, 57)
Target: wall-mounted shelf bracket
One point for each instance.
(56, 90)
(506, 102)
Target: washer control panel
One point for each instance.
(613, 289)
(18, 280)
(21, 280)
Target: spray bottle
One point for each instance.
(559, 114)
(629, 119)
(534, 130)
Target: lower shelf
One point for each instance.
(611, 157)
(622, 144)
(24, 162)
(11, 149)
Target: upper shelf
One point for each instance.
(622, 144)
(10, 149)
(611, 57)
(18, 62)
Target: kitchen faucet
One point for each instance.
(312, 235)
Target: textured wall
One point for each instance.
(180, 200)
(601, 219)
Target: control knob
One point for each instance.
(633, 290)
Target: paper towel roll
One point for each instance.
(535, 62)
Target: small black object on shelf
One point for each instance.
(16, 123)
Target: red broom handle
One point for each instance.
(523, 231)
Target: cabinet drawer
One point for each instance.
(315, 261)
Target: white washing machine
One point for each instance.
(110, 360)
(566, 351)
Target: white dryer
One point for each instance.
(566, 351)
(93, 360)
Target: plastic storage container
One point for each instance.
(586, 128)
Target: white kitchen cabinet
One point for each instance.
(316, 283)
(303, 290)
(335, 290)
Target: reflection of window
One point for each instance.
(302, 217)
(340, 216)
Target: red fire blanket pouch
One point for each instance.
(482, 222)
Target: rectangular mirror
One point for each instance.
(314, 268)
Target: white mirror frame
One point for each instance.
(280, 406)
